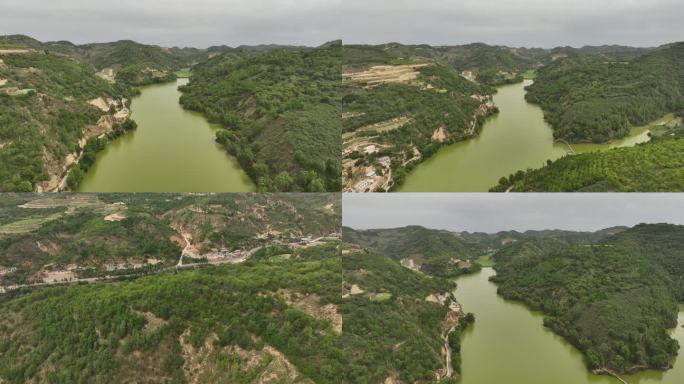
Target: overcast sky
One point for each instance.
(201, 23)
(482, 212)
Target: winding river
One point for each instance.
(173, 150)
(509, 344)
(516, 138)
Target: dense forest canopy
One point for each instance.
(266, 319)
(390, 330)
(594, 98)
(280, 113)
(614, 298)
(44, 112)
(649, 167)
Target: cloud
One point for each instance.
(209, 22)
(198, 23)
(482, 212)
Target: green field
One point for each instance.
(184, 72)
(530, 74)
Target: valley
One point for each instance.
(280, 133)
(407, 127)
(556, 306)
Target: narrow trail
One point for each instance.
(186, 237)
(447, 349)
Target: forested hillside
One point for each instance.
(76, 236)
(435, 252)
(613, 299)
(280, 112)
(126, 62)
(592, 98)
(45, 116)
(653, 166)
(394, 322)
(273, 319)
(397, 111)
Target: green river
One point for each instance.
(173, 150)
(509, 344)
(516, 138)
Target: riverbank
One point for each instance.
(509, 336)
(173, 150)
(517, 138)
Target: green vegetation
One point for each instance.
(239, 324)
(613, 299)
(491, 65)
(184, 73)
(435, 252)
(400, 337)
(279, 109)
(140, 233)
(92, 147)
(438, 99)
(591, 98)
(653, 166)
(39, 128)
(485, 260)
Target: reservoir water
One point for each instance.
(514, 139)
(509, 344)
(173, 150)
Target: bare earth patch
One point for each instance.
(114, 217)
(384, 74)
(439, 134)
(99, 103)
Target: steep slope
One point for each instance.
(394, 321)
(614, 299)
(50, 106)
(399, 110)
(280, 112)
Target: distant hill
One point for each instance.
(435, 252)
(132, 63)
